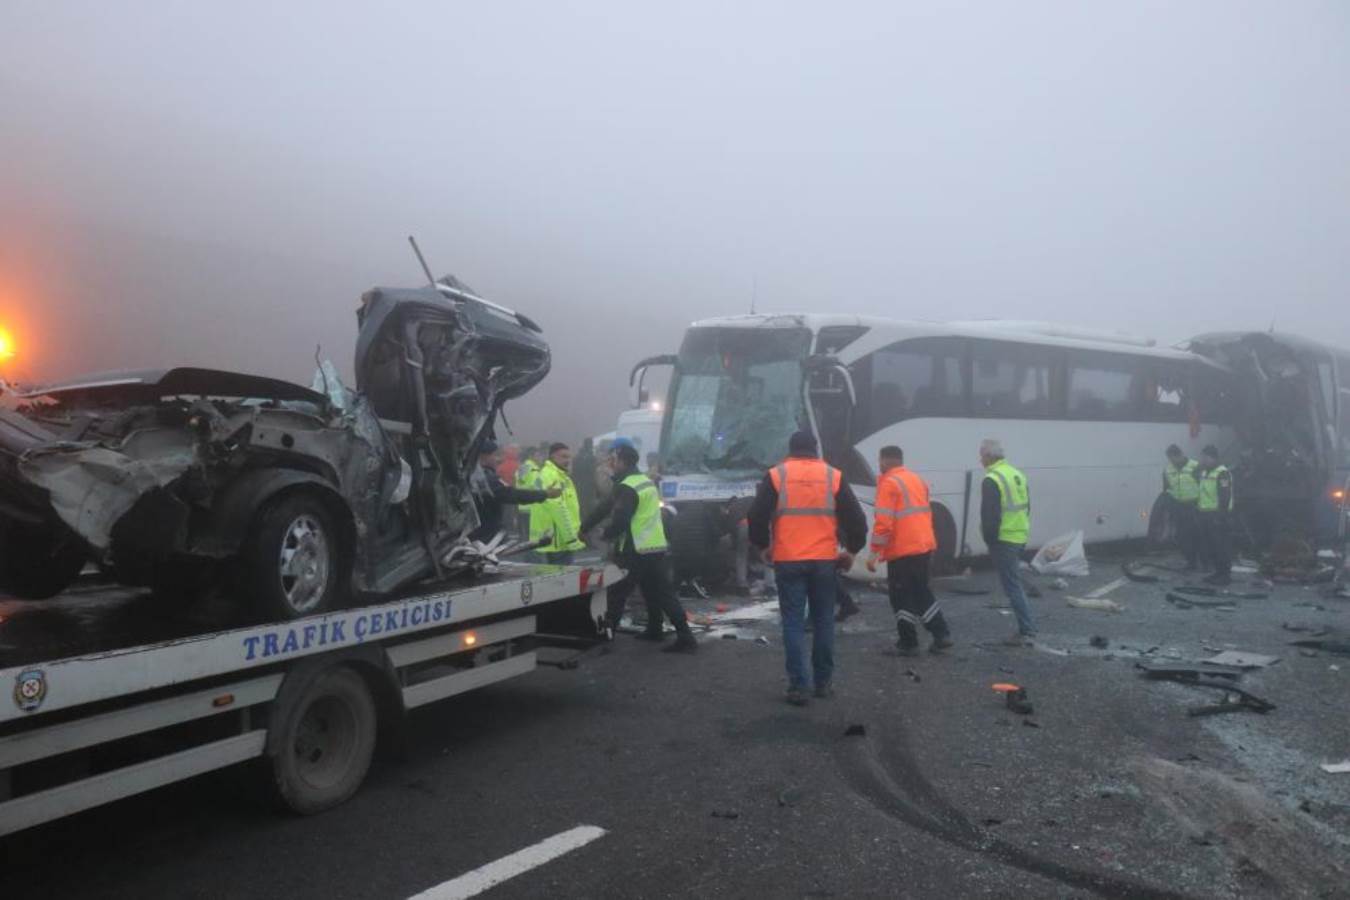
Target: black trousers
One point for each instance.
(1188, 539)
(1216, 541)
(651, 573)
(912, 599)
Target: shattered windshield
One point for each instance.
(735, 400)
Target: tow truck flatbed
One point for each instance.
(109, 668)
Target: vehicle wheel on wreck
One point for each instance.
(294, 561)
(37, 563)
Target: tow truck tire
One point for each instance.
(325, 743)
(293, 562)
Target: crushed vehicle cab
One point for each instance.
(186, 479)
(1290, 412)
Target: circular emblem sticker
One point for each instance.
(30, 689)
(526, 593)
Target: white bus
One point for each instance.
(1086, 415)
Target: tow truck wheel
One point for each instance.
(294, 563)
(325, 743)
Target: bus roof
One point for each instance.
(889, 330)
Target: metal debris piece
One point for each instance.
(1241, 659)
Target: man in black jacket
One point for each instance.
(493, 495)
(647, 566)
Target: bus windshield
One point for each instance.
(735, 399)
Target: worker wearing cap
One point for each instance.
(639, 541)
(1214, 508)
(560, 520)
(492, 494)
(1005, 525)
(802, 509)
(903, 537)
(1183, 493)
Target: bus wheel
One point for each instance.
(944, 529)
(325, 743)
(1160, 523)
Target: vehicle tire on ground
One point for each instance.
(324, 742)
(944, 530)
(293, 562)
(37, 563)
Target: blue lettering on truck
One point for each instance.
(286, 640)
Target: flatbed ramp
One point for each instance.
(307, 695)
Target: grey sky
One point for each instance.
(218, 183)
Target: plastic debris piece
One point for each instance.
(1062, 556)
(1099, 642)
(1340, 768)
(1003, 687)
(725, 814)
(1030, 724)
(1242, 659)
(855, 731)
(1101, 604)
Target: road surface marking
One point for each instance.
(471, 884)
(1105, 589)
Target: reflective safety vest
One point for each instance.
(1015, 524)
(1209, 490)
(559, 515)
(904, 520)
(646, 530)
(1181, 483)
(526, 474)
(804, 525)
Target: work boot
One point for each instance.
(941, 645)
(796, 696)
(684, 643)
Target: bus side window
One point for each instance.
(1010, 381)
(916, 378)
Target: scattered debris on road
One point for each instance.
(1241, 659)
(855, 731)
(1100, 604)
(1340, 648)
(1340, 768)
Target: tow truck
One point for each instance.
(97, 711)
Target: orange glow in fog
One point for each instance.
(6, 345)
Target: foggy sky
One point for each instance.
(217, 184)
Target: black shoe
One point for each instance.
(796, 696)
(824, 691)
(847, 609)
(941, 645)
(684, 643)
(651, 635)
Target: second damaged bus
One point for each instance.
(1086, 414)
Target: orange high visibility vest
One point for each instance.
(904, 520)
(804, 525)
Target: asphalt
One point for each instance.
(709, 785)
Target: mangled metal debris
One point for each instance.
(175, 478)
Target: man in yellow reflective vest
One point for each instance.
(1005, 524)
(527, 479)
(558, 516)
(1183, 492)
(639, 539)
(1214, 511)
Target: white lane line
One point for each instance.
(471, 884)
(1105, 589)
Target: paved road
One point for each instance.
(708, 785)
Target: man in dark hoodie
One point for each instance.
(640, 547)
(493, 495)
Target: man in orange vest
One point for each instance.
(903, 538)
(801, 511)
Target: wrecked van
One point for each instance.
(187, 479)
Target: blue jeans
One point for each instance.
(1008, 560)
(801, 585)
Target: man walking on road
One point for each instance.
(561, 514)
(1213, 509)
(801, 511)
(1005, 523)
(640, 547)
(903, 537)
(1183, 492)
